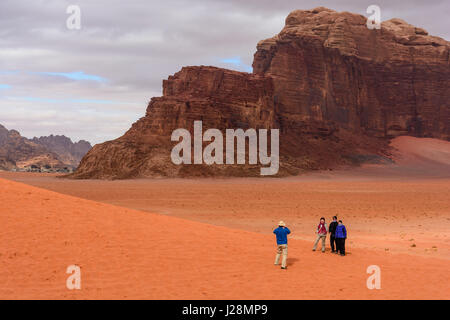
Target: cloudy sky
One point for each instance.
(92, 83)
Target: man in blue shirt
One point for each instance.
(281, 233)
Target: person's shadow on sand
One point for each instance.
(292, 261)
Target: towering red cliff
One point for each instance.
(336, 90)
(329, 67)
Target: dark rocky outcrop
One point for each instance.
(53, 152)
(68, 152)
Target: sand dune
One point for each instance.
(127, 254)
(414, 158)
(420, 151)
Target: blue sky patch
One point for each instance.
(79, 75)
(237, 63)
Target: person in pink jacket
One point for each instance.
(322, 230)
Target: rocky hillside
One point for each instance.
(68, 152)
(337, 91)
(54, 152)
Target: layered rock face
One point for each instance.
(336, 90)
(329, 67)
(219, 98)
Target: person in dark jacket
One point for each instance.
(281, 234)
(332, 230)
(340, 235)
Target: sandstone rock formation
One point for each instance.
(329, 67)
(57, 152)
(68, 152)
(336, 90)
(19, 152)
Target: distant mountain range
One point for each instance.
(52, 153)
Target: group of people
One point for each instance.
(337, 231)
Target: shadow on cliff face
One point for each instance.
(360, 159)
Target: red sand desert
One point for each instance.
(211, 238)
